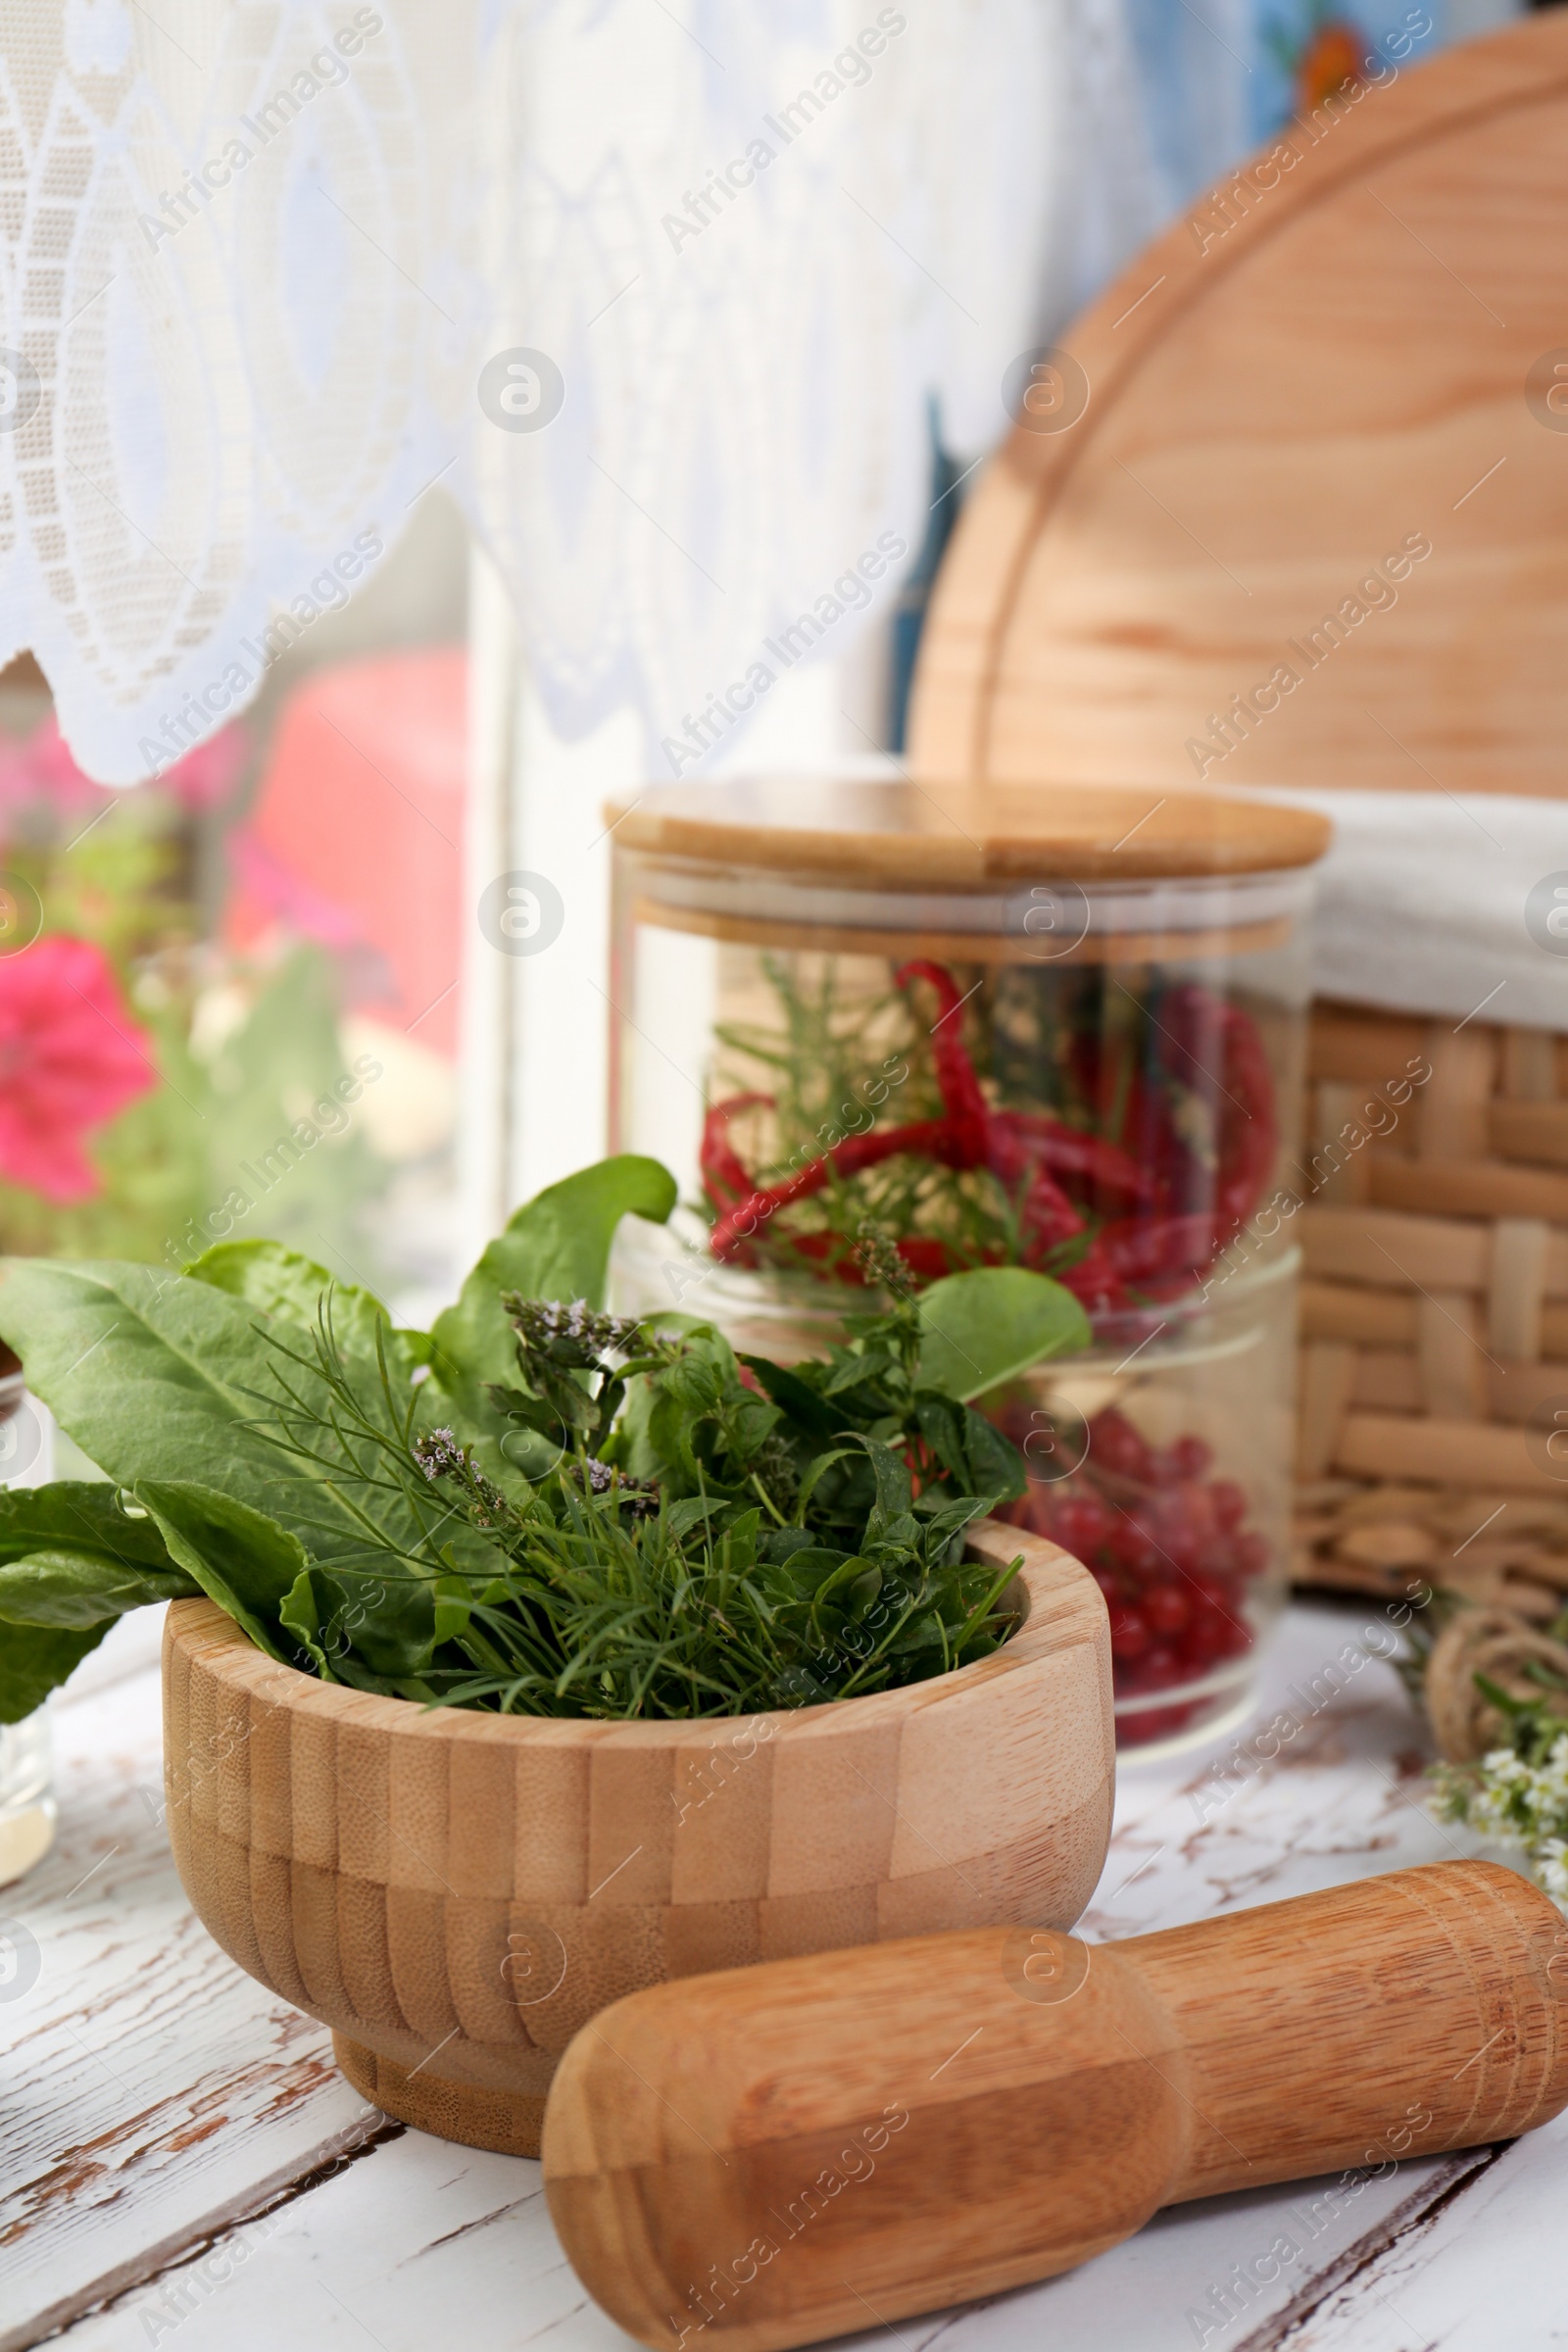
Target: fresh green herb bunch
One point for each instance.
(806, 1541)
(532, 1506)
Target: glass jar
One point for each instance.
(26, 1795)
(1057, 1027)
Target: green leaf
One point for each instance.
(156, 1376)
(1503, 1700)
(70, 1556)
(803, 1404)
(145, 1370)
(893, 1486)
(941, 1424)
(300, 1613)
(291, 1289)
(991, 1323)
(454, 1606)
(996, 1466)
(288, 1285)
(810, 1567)
(240, 1557)
(78, 1589)
(373, 1630)
(35, 1659)
(555, 1247)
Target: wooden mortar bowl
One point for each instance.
(455, 1894)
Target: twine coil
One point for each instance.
(1500, 1645)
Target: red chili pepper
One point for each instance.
(1095, 1283)
(1216, 1051)
(722, 1169)
(1020, 1148)
(1135, 1248)
(1066, 1152)
(1209, 1048)
(1258, 1141)
(1046, 1215)
(932, 1137)
(957, 1082)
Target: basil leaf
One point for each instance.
(996, 1466)
(782, 1544)
(893, 1492)
(803, 1405)
(940, 1423)
(808, 1568)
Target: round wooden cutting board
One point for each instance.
(1346, 355)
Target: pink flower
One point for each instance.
(70, 1059)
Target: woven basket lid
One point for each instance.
(905, 836)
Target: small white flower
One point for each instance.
(1551, 1859)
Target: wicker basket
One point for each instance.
(1434, 1306)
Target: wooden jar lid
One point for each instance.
(970, 837)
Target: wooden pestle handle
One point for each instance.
(808, 2148)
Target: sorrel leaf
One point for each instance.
(70, 1556)
(238, 1556)
(288, 1286)
(34, 1659)
(159, 1377)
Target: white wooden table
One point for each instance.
(179, 2156)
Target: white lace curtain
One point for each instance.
(255, 255)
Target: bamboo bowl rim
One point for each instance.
(1055, 1589)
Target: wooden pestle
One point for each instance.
(808, 2148)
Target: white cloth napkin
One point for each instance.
(1422, 903)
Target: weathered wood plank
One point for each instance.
(147, 2084)
(419, 2243)
(389, 2250)
(1479, 2268)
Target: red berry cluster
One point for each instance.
(1167, 1546)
